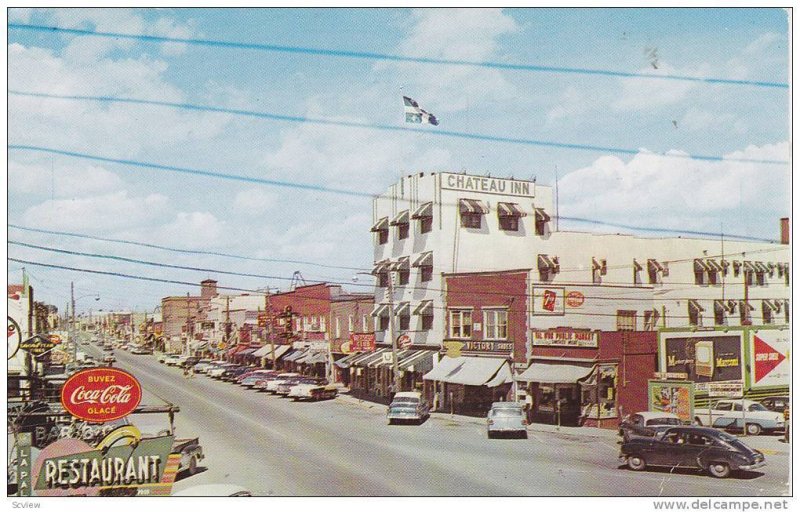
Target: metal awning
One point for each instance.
(696, 305)
(748, 266)
(424, 308)
(469, 371)
(424, 260)
(503, 376)
(369, 358)
(386, 362)
(314, 358)
(636, 265)
(380, 310)
(266, 351)
(472, 206)
(653, 266)
(746, 304)
(400, 264)
(701, 266)
(381, 225)
(425, 211)
(400, 218)
(246, 352)
(554, 373)
(761, 268)
(774, 305)
(380, 267)
(510, 210)
(402, 309)
(345, 361)
(294, 356)
(713, 265)
(417, 361)
(541, 215)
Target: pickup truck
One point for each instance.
(728, 414)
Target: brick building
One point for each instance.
(180, 314)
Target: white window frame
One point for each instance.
(460, 313)
(337, 328)
(350, 324)
(492, 323)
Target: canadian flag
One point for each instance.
(766, 357)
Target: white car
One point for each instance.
(217, 371)
(313, 391)
(173, 360)
(272, 385)
(728, 414)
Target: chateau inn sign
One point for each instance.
(488, 185)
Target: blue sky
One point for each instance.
(102, 199)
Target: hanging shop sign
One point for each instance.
(564, 337)
(671, 396)
(362, 342)
(98, 395)
(547, 301)
(404, 341)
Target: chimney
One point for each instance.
(785, 230)
(208, 289)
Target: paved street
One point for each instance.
(274, 446)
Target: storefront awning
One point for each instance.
(509, 210)
(345, 361)
(266, 351)
(380, 310)
(472, 206)
(554, 373)
(503, 376)
(424, 211)
(400, 218)
(417, 361)
(424, 308)
(369, 358)
(313, 358)
(294, 356)
(246, 352)
(382, 224)
(424, 260)
(384, 362)
(470, 371)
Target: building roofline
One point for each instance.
(487, 272)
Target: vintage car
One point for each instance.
(407, 406)
(250, 379)
(506, 418)
(162, 357)
(202, 365)
(217, 371)
(287, 385)
(141, 350)
(647, 424)
(776, 403)
(231, 374)
(272, 384)
(702, 448)
(728, 414)
(313, 392)
(173, 359)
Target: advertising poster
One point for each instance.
(706, 358)
(547, 301)
(769, 356)
(671, 396)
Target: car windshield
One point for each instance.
(405, 400)
(507, 411)
(757, 407)
(664, 421)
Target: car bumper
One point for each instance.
(755, 465)
(409, 417)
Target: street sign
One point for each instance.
(404, 341)
(37, 345)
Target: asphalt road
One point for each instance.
(277, 447)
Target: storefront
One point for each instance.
(554, 391)
(469, 385)
(265, 355)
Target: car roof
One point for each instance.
(408, 394)
(506, 405)
(648, 415)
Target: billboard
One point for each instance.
(769, 358)
(709, 357)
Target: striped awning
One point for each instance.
(714, 266)
(345, 361)
(546, 262)
(424, 260)
(696, 305)
(472, 206)
(266, 351)
(380, 310)
(381, 225)
(416, 361)
(424, 211)
(761, 268)
(400, 218)
(541, 215)
(294, 356)
(653, 265)
(369, 357)
(400, 264)
(380, 267)
(510, 210)
(424, 308)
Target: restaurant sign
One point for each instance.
(362, 342)
(98, 395)
(564, 338)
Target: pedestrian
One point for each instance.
(786, 424)
(186, 372)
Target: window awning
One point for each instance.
(700, 266)
(714, 266)
(654, 265)
(472, 206)
(696, 305)
(746, 304)
(748, 266)
(469, 371)
(424, 308)
(424, 260)
(380, 267)
(400, 218)
(381, 225)
(402, 309)
(424, 211)
(774, 305)
(760, 267)
(400, 264)
(554, 373)
(380, 310)
(636, 265)
(546, 262)
(541, 215)
(510, 210)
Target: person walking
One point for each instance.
(786, 415)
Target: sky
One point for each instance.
(581, 117)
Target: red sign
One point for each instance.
(362, 342)
(767, 358)
(404, 341)
(98, 395)
(575, 299)
(549, 300)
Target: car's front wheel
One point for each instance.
(636, 463)
(193, 465)
(753, 429)
(719, 469)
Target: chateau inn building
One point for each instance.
(428, 228)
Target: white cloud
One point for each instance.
(677, 192)
(254, 201)
(79, 179)
(653, 93)
(20, 14)
(571, 103)
(97, 213)
(191, 230)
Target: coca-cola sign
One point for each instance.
(101, 394)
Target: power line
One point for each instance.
(173, 249)
(320, 188)
(392, 57)
(355, 124)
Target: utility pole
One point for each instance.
(268, 328)
(395, 369)
(74, 348)
(227, 319)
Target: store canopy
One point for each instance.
(246, 352)
(313, 358)
(369, 358)
(470, 371)
(294, 356)
(424, 308)
(345, 361)
(382, 224)
(387, 360)
(509, 210)
(472, 206)
(400, 218)
(417, 361)
(554, 373)
(424, 211)
(503, 376)
(266, 351)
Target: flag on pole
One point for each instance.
(414, 114)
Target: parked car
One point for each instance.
(286, 386)
(691, 447)
(647, 424)
(776, 403)
(250, 379)
(728, 414)
(108, 348)
(506, 418)
(313, 392)
(162, 357)
(173, 359)
(408, 406)
(202, 365)
(231, 374)
(272, 384)
(189, 361)
(141, 350)
(218, 371)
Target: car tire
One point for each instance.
(636, 463)
(719, 469)
(390, 422)
(193, 465)
(524, 434)
(752, 429)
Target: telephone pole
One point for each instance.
(268, 328)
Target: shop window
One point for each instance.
(626, 320)
(426, 273)
(460, 323)
(495, 324)
(427, 322)
(426, 225)
(405, 321)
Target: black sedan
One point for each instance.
(701, 448)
